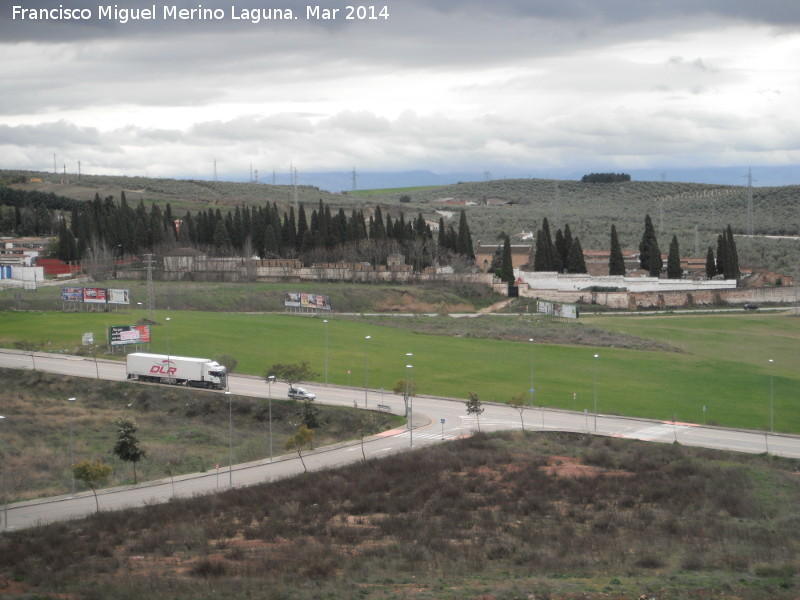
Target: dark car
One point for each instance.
(751, 306)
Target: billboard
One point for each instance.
(291, 300)
(118, 296)
(71, 294)
(557, 309)
(306, 301)
(94, 295)
(121, 335)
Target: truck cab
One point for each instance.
(298, 393)
(216, 376)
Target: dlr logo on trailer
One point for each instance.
(165, 368)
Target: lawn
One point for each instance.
(722, 362)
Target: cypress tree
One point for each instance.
(507, 267)
(327, 228)
(722, 253)
(732, 265)
(575, 261)
(567, 240)
(616, 262)
(648, 236)
(464, 237)
(302, 227)
(711, 266)
(549, 247)
(289, 230)
(674, 270)
(379, 226)
(270, 242)
(562, 251)
(654, 256)
(222, 239)
(442, 236)
(540, 255)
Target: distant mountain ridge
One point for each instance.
(342, 181)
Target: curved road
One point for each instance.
(435, 419)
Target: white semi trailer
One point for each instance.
(177, 370)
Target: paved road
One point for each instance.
(435, 419)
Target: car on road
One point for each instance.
(298, 393)
(751, 306)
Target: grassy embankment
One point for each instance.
(181, 430)
(512, 515)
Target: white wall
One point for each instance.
(572, 283)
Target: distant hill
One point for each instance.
(367, 180)
(694, 212)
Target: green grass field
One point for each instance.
(723, 364)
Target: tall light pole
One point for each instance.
(230, 439)
(366, 367)
(771, 398)
(325, 323)
(71, 453)
(408, 389)
(168, 360)
(270, 381)
(594, 372)
(410, 382)
(531, 341)
(5, 469)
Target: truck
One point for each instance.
(176, 370)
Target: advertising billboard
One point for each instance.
(557, 309)
(306, 301)
(291, 299)
(118, 296)
(72, 294)
(94, 295)
(121, 335)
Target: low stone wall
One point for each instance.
(666, 299)
(735, 297)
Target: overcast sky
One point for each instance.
(445, 85)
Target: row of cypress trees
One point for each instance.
(565, 255)
(261, 230)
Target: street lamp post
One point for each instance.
(139, 346)
(771, 398)
(408, 389)
(168, 360)
(366, 367)
(325, 322)
(71, 453)
(230, 439)
(270, 380)
(5, 469)
(410, 383)
(594, 372)
(531, 341)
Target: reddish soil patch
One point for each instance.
(568, 466)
